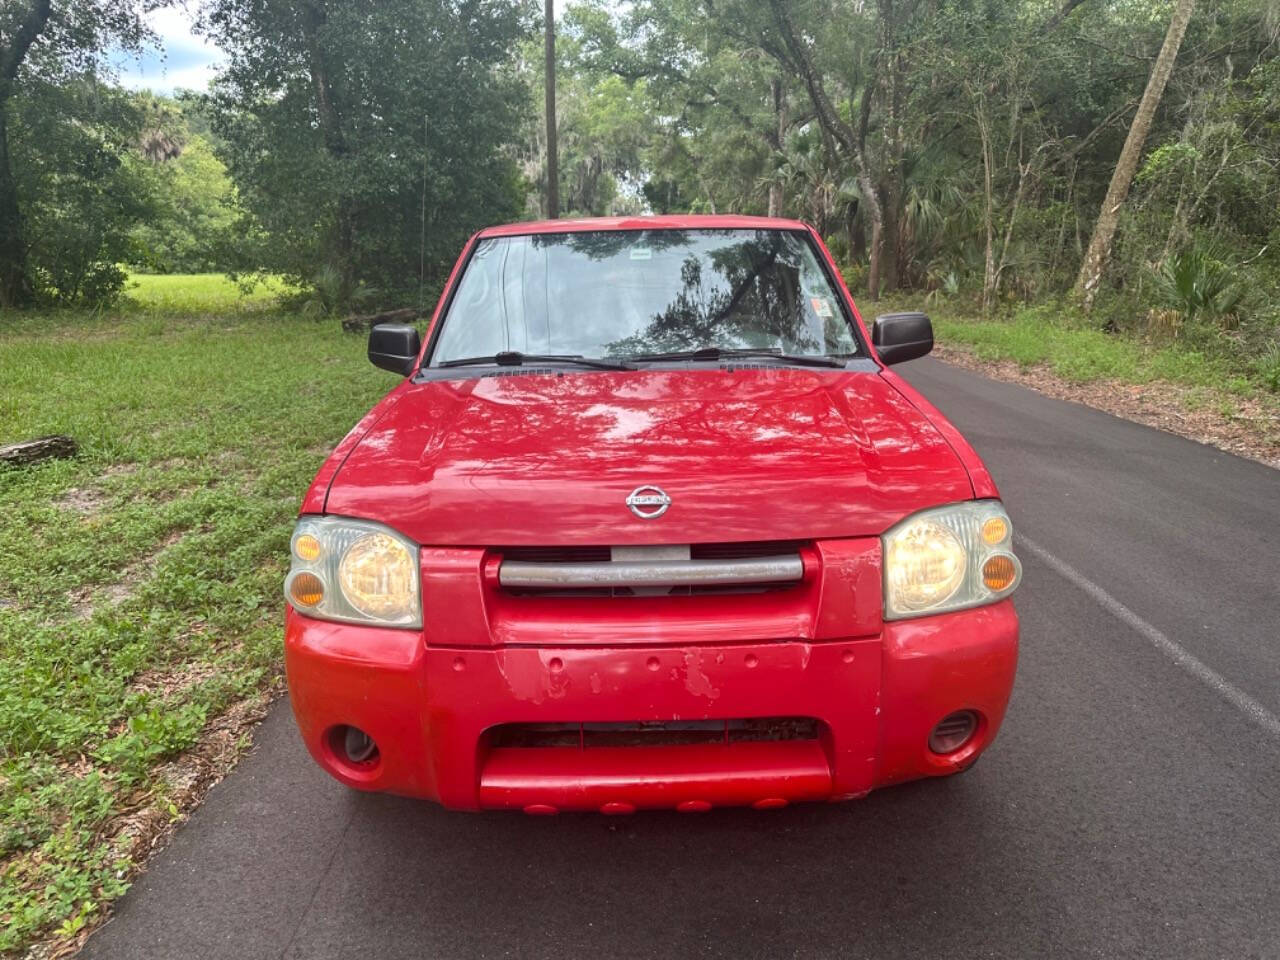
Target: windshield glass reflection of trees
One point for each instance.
(626, 293)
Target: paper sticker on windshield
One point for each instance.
(641, 253)
(822, 307)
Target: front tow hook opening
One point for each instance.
(353, 750)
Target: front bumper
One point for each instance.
(430, 710)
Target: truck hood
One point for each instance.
(748, 455)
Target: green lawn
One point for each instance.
(202, 294)
(140, 592)
(1074, 348)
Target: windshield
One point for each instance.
(619, 294)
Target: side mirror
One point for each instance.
(899, 337)
(395, 347)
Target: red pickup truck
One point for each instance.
(648, 523)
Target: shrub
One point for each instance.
(1199, 285)
(1267, 367)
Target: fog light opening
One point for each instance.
(354, 746)
(953, 732)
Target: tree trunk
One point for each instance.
(15, 284)
(890, 231)
(982, 119)
(857, 236)
(873, 264)
(335, 144)
(1099, 252)
(893, 178)
(553, 165)
(833, 125)
(777, 141)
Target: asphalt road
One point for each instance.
(1131, 806)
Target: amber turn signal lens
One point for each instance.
(999, 572)
(995, 530)
(307, 548)
(306, 590)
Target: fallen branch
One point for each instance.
(42, 448)
(355, 324)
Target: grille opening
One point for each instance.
(953, 732)
(698, 551)
(688, 590)
(637, 734)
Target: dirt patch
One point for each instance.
(148, 821)
(84, 600)
(82, 500)
(87, 599)
(167, 683)
(1240, 425)
(91, 499)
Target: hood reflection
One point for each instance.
(749, 455)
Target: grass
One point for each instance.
(1056, 337)
(140, 581)
(202, 294)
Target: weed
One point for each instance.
(1267, 367)
(140, 582)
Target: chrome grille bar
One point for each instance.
(652, 573)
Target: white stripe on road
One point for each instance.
(1250, 707)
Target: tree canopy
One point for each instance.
(369, 138)
(950, 146)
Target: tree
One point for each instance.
(15, 285)
(47, 41)
(366, 140)
(604, 123)
(1104, 231)
(86, 186)
(192, 228)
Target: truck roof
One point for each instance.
(670, 222)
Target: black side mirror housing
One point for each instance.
(395, 347)
(899, 337)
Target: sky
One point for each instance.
(183, 60)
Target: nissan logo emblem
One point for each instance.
(648, 503)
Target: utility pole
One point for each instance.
(553, 167)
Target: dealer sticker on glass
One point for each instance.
(822, 307)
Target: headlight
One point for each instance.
(949, 558)
(354, 571)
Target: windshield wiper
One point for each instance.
(514, 358)
(715, 354)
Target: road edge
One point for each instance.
(1157, 404)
